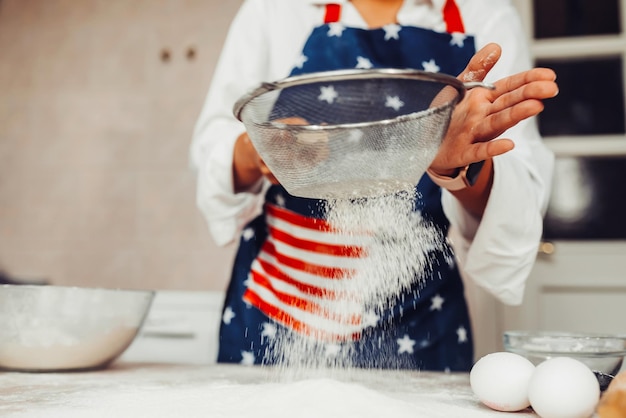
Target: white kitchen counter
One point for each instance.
(187, 391)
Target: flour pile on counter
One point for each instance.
(398, 244)
(164, 391)
(313, 398)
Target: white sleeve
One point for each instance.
(256, 50)
(238, 70)
(498, 251)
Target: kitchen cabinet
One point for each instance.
(181, 327)
(579, 287)
(578, 282)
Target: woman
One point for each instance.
(487, 193)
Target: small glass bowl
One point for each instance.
(600, 352)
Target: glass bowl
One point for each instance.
(58, 328)
(600, 352)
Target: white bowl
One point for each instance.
(58, 328)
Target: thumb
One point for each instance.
(481, 63)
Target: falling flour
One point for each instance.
(398, 253)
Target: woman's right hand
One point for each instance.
(308, 150)
(248, 166)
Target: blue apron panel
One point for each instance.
(416, 48)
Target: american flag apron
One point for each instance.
(290, 260)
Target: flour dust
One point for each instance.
(398, 258)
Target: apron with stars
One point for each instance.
(289, 257)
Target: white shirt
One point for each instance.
(266, 38)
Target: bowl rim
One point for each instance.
(352, 74)
(78, 288)
(561, 335)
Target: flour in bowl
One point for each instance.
(47, 349)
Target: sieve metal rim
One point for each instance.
(355, 74)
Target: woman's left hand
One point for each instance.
(483, 115)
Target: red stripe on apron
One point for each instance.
(452, 17)
(305, 304)
(333, 11)
(303, 287)
(317, 270)
(299, 326)
(298, 220)
(317, 247)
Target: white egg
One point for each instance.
(563, 387)
(500, 381)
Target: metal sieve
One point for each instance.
(351, 133)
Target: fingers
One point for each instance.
(526, 77)
(293, 120)
(481, 151)
(267, 172)
(516, 98)
(498, 147)
(481, 63)
(496, 123)
(538, 83)
(537, 90)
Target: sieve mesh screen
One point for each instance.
(350, 133)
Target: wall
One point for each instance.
(95, 125)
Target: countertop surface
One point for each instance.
(167, 390)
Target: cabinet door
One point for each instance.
(579, 287)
